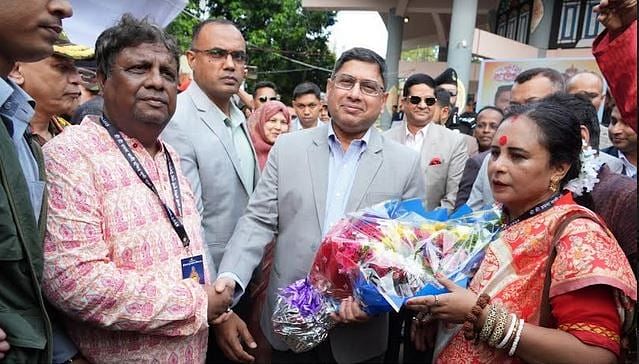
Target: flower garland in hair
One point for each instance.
(587, 178)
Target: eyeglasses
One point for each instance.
(219, 54)
(416, 100)
(266, 98)
(347, 82)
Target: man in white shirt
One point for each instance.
(307, 105)
(624, 141)
(443, 152)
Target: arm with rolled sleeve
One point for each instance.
(82, 280)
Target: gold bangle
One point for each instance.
(487, 329)
(500, 327)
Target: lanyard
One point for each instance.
(539, 208)
(144, 177)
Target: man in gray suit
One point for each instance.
(210, 134)
(443, 152)
(312, 178)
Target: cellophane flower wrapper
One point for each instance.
(302, 315)
(390, 252)
(381, 255)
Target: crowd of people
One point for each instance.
(142, 225)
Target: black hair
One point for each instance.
(584, 112)
(418, 79)
(264, 84)
(442, 96)
(305, 88)
(559, 133)
(490, 108)
(553, 75)
(363, 55)
(130, 32)
(500, 90)
(197, 28)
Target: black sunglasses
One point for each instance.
(415, 100)
(266, 98)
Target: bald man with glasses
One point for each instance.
(210, 134)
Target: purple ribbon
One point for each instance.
(302, 295)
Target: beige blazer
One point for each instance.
(443, 157)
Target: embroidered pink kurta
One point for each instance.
(112, 259)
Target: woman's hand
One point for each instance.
(451, 307)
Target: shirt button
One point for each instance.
(135, 145)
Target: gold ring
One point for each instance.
(436, 300)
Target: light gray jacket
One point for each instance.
(208, 160)
(289, 203)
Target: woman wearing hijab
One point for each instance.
(267, 123)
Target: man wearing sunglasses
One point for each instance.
(443, 152)
(264, 91)
(443, 155)
(209, 132)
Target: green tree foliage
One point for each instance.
(273, 29)
(428, 54)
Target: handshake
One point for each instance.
(220, 298)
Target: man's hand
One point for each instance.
(422, 335)
(616, 15)
(350, 311)
(219, 304)
(230, 335)
(4, 344)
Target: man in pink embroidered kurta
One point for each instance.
(124, 256)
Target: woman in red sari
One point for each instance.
(502, 316)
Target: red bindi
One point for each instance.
(503, 140)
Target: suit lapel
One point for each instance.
(398, 133)
(256, 168)
(368, 167)
(317, 156)
(212, 117)
(433, 145)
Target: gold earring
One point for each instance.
(554, 184)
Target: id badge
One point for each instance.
(193, 268)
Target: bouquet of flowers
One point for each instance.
(384, 255)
